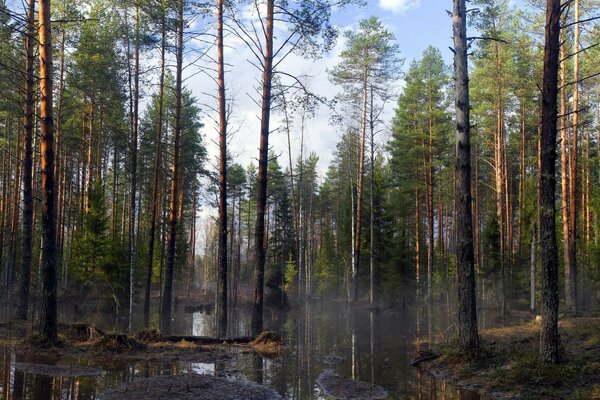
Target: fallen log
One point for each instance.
(209, 340)
(426, 357)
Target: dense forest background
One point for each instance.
(376, 224)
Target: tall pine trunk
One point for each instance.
(359, 189)
(468, 336)
(133, 167)
(222, 282)
(259, 229)
(23, 301)
(549, 341)
(47, 328)
(156, 172)
(173, 205)
(571, 274)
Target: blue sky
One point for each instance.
(416, 23)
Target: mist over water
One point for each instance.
(355, 343)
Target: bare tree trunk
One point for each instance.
(90, 156)
(60, 164)
(372, 206)
(549, 339)
(521, 177)
(571, 278)
(429, 179)
(418, 242)
(467, 315)
(14, 221)
(532, 267)
(173, 207)
(156, 172)
(359, 190)
(221, 306)
(47, 327)
(23, 301)
(564, 164)
(259, 229)
(134, 144)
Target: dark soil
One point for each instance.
(339, 387)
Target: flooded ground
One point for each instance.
(370, 346)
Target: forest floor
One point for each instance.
(508, 365)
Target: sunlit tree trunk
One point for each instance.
(47, 327)
(468, 336)
(564, 164)
(571, 273)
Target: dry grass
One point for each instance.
(268, 344)
(114, 342)
(508, 362)
(149, 336)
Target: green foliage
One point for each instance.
(291, 276)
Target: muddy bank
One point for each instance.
(189, 387)
(508, 366)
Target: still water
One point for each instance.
(374, 347)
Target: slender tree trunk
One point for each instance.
(60, 165)
(259, 229)
(133, 167)
(221, 305)
(532, 268)
(14, 221)
(564, 164)
(571, 274)
(359, 189)
(522, 162)
(549, 339)
(372, 206)
(418, 242)
(47, 327)
(90, 155)
(430, 211)
(467, 315)
(173, 207)
(23, 301)
(156, 172)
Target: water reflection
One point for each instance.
(369, 345)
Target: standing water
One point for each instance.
(369, 346)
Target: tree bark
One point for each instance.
(564, 165)
(549, 338)
(47, 328)
(173, 206)
(467, 315)
(23, 301)
(133, 167)
(156, 172)
(259, 229)
(221, 306)
(359, 189)
(571, 278)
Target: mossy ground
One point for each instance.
(508, 364)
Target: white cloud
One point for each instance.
(399, 6)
